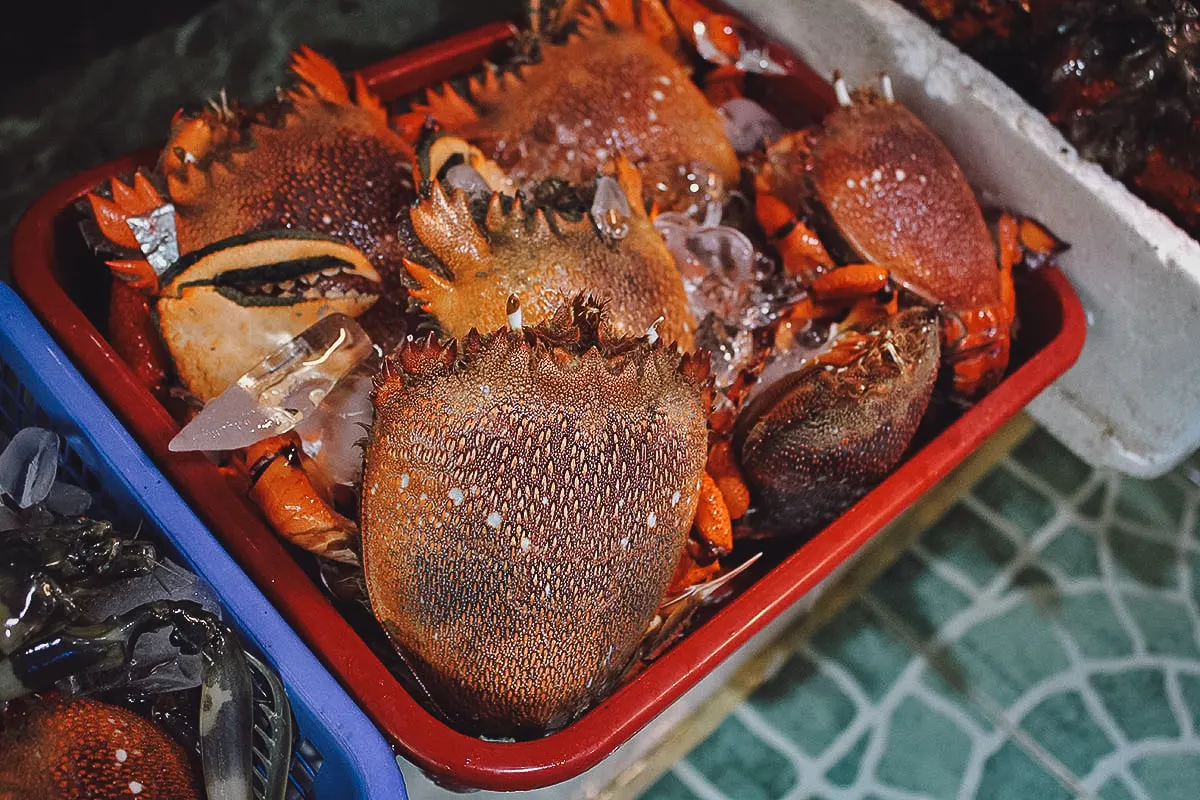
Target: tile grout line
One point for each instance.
(995, 713)
(695, 781)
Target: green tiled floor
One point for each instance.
(1041, 641)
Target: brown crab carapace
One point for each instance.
(544, 258)
(317, 160)
(85, 749)
(605, 85)
(814, 440)
(894, 195)
(526, 500)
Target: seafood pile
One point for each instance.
(537, 363)
(1121, 80)
(118, 677)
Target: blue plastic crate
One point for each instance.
(339, 753)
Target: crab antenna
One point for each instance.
(514, 313)
(885, 83)
(839, 88)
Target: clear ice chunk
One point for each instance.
(610, 209)
(703, 186)
(279, 391)
(461, 176)
(28, 466)
(747, 124)
(68, 500)
(332, 436)
(157, 665)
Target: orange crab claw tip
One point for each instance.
(123, 194)
(111, 219)
(137, 273)
(429, 280)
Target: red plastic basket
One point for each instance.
(61, 281)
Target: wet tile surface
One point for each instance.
(1041, 641)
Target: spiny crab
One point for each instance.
(598, 79)
(553, 477)
(520, 479)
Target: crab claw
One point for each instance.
(225, 306)
(816, 440)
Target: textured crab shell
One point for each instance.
(84, 749)
(324, 164)
(524, 505)
(609, 88)
(545, 260)
(817, 440)
(901, 201)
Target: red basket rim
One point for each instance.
(436, 748)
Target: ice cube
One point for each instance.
(333, 434)
(155, 234)
(28, 466)
(723, 249)
(747, 124)
(610, 209)
(461, 176)
(279, 391)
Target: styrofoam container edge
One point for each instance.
(1132, 402)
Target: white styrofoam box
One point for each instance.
(1133, 400)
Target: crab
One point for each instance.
(600, 78)
(527, 497)
(85, 748)
(891, 195)
(544, 254)
(310, 185)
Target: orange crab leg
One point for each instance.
(799, 246)
(135, 337)
(728, 478)
(292, 504)
(689, 573)
(712, 516)
(852, 281)
(712, 531)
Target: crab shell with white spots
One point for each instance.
(527, 496)
(85, 749)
